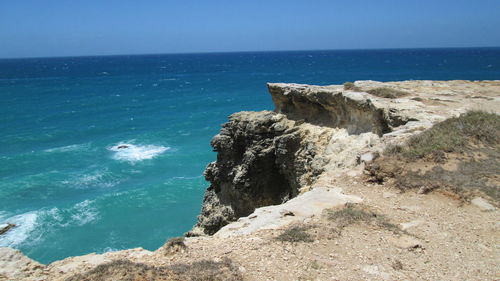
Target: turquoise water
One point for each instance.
(71, 190)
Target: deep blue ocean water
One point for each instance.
(72, 191)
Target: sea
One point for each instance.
(105, 153)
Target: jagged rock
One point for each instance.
(304, 206)
(263, 159)
(331, 107)
(16, 266)
(6, 227)
(266, 158)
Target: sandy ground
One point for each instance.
(446, 240)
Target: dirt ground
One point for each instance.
(439, 238)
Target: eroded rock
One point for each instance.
(16, 266)
(263, 159)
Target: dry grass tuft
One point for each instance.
(175, 245)
(295, 234)
(124, 270)
(389, 93)
(460, 156)
(452, 135)
(356, 213)
(207, 270)
(351, 87)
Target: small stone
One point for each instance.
(388, 194)
(482, 204)
(6, 227)
(367, 157)
(285, 213)
(374, 270)
(406, 242)
(407, 225)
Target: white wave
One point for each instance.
(100, 178)
(80, 214)
(31, 226)
(25, 224)
(107, 250)
(134, 153)
(73, 147)
(84, 212)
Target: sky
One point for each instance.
(47, 28)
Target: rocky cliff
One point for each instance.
(266, 158)
(293, 171)
(263, 158)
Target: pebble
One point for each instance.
(482, 204)
(388, 194)
(407, 225)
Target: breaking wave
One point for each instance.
(134, 153)
(31, 226)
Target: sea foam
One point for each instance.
(68, 148)
(31, 226)
(134, 153)
(25, 224)
(98, 178)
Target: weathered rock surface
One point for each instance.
(298, 209)
(266, 158)
(16, 266)
(263, 159)
(330, 106)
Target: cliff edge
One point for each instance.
(319, 189)
(266, 158)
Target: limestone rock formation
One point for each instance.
(266, 158)
(330, 107)
(16, 266)
(263, 159)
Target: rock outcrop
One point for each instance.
(263, 159)
(330, 107)
(16, 266)
(266, 158)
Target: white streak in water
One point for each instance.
(31, 226)
(25, 224)
(134, 153)
(73, 147)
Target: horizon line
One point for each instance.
(236, 52)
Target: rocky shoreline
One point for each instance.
(276, 169)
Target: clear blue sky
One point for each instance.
(33, 28)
